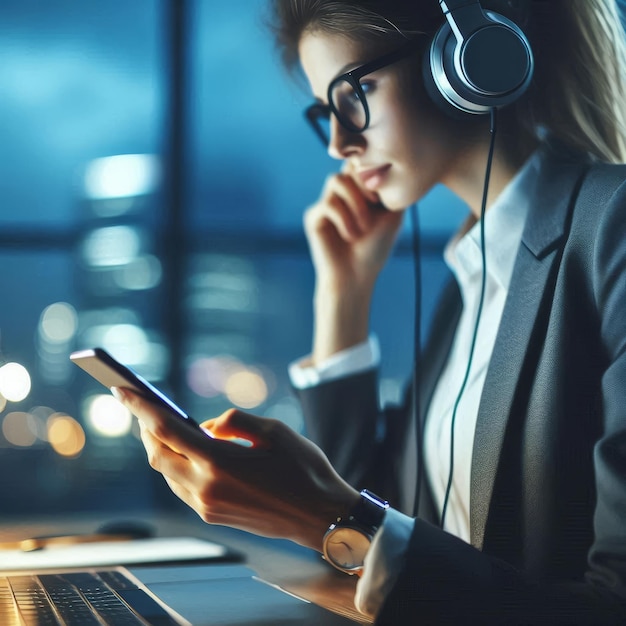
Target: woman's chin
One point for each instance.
(394, 201)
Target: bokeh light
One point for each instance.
(107, 416)
(18, 430)
(14, 382)
(111, 246)
(39, 421)
(58, 322)
(127, 342)
(144, 272)
(66, 435)
(246, 388)
(122, 176)
(207, 376)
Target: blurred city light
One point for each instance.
(14, 382)
(107, 416)
(207, 376)
(111, 246)
(18, 430)
(39, 423)
(58, 322)
(127, 342)
(244, 386)
(246, 389)
(66, 435)
(122, 176)
(144, 272)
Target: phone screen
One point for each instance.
(111, 373)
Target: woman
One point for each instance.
(521, 491)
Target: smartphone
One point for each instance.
(111, 373)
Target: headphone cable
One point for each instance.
(417, 356)
(483, 251)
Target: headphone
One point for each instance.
(478, 60)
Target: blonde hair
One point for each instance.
(578, 92)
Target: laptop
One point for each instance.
(214, 591)
(61, 580)
(111, 596)
(210, 595)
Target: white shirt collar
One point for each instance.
(504, 225)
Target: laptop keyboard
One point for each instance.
(77, 599)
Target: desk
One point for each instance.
(224, 594)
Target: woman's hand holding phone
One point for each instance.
(281, 485)
(350, 235)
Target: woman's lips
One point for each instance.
(373, 178)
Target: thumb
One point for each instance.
(235, 424)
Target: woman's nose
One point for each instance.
(343, 142)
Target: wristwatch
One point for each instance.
(348, 539)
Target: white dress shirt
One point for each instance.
(504, 224)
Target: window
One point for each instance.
(151, 205)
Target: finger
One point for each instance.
(139, 405)
(164, 426)
(152, 443)
(342, 202)
(370, 195)
(157, 451)
(353, 199)
(235, 424)
(368, 203)
(333, 211)
(209, 427)
(178, 470)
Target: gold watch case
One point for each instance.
(345, 547)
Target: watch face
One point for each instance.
(346, 547)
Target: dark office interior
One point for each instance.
(153, 185)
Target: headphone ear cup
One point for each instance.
(489, 68)
(435, 93)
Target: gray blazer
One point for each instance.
(548, 483)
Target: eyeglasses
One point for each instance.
(346, 96)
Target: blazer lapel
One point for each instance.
(531, 285)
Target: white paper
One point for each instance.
(96, 554)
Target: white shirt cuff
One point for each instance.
(383, 562)
(363, 356)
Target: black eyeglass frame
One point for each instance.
(319, 110)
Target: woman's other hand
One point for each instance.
(350, 232)
(350, 235)
(281, 485)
